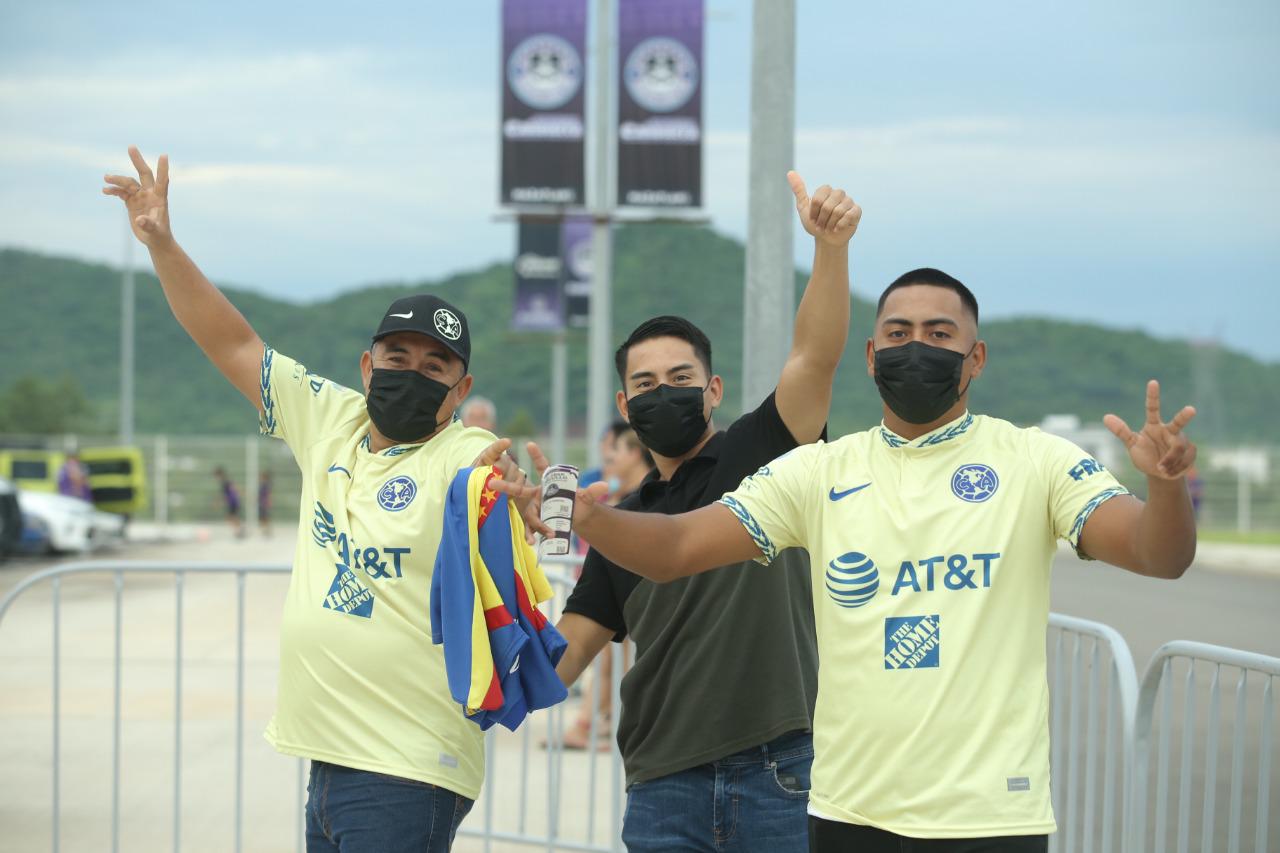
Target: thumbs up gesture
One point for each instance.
(829, 215)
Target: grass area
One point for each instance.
(1256, 537)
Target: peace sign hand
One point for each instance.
(829, 216)
(1159, 450)
(146, 199)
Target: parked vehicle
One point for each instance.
(68, 524)
(117, 475)
(32, 469)
(10, 519)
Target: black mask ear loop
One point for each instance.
(451, 417)
(962, 361)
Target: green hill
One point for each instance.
(62, 316)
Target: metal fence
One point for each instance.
(1181, 668)
(1093, 693)
(525, 800)
(1107, 791)
(1235, 496)
(571, 816)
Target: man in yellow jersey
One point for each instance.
(931, 538)
(363, 693)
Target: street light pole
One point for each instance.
(600, 334)
(769, 289)
(126, 340)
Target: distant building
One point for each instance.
(1095, 440)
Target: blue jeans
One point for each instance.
(754, 800)
(356, 811)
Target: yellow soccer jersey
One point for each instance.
(361, 684)
(931, 597)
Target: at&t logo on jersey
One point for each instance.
(950, 571)
(852, 579)
(347, 592)
(974, 483)
(397, 493)
(911, 642)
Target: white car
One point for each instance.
(69, 524)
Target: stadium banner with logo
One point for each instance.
(575, 253)
(539, 303)
(544, 66)
(660, 103)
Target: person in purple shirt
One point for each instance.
(231, 495)
(73, 479)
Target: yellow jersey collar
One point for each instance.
(947, 432)
(399, 449)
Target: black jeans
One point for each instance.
(829, 836)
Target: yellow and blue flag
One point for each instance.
(500, 651)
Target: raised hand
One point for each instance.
(829, 216)
(1159, 449)
(517, 486)
(146, 199)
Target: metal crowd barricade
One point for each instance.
(603, 772)
(1196, 767)
(570, 815)
(1093, 694)
(1098, 717)
(117, 570)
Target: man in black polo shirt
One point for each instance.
(717, 710)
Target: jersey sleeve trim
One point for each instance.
(1077, 527)
(267, 419)
(768, 550)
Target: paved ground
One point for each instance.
(1230, 597)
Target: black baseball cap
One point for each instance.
(431, 316)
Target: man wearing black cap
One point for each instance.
(363, 693)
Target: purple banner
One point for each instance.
(539, 306)
(544, 69)
(575, 253)
(660, 103)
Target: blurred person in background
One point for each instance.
(231, 501)
(479, 412)
(1195, 485)
(264, 503)
(73, 479)
(608, 440)
(629, 462)
(363, 693)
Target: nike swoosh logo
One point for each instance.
(408, 316)
(835, 496)
(334, 468)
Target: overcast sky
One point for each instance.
(1117, 162)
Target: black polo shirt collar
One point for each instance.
(681, 492)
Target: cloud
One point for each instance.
(1156, 179)
(111, 79)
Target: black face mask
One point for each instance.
(919, 382)
(403, 404)
(668, 419)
